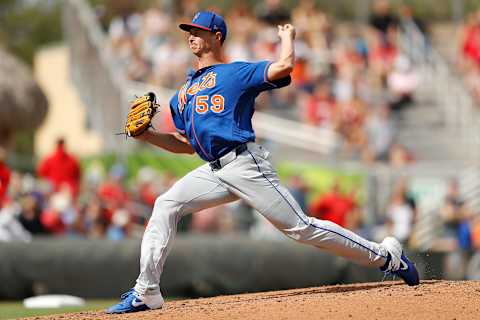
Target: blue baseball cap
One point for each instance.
(207, 20)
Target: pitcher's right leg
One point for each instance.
(198, 190)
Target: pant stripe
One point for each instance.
(306, 222)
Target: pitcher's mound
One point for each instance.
(384, 300)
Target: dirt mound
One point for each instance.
(385, 300)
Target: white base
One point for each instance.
(53, 301)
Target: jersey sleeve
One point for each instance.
(255, 76)
(176, 116)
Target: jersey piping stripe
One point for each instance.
(306, 222)
(265, 75)
(196, 138)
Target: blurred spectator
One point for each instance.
(119, 228)
(124, 27)
(61, 168)
(299, 190)
(382, 19)
(112, 192)
(380, 132)
(93, 175)
(15, 185)
(242, 215)
(30, 214)
(92, 219)
(307, 18)
(400, 213)
(209, 220)
(98, 229)
(302, 73)
(59, 215)
(456, 216)
(4, 177)
(188, 8)
(349, 122)
(10, 228)
(400, 156)
(319, 107)
(334, 206)
(148, 186)
(458, 232)
(408, 21)
(475, 233)
(402, 83)
(470, 42)
(354, 220)
(403, 187)
(416, 33)
(262, 229)
(472, 81)
(469, 60)
(381, 57)
(272, 12)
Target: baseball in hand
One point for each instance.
(287, 30)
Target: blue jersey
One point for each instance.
(214, 108)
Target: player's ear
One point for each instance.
(218, 36)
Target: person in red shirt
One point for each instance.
(333, 206)
(320, 106)
(4, 177)
(61, 168)
(112, 193)
(471, 39)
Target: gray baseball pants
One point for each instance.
(251, 177)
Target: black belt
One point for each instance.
(217, 164)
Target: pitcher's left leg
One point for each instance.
(252, 177)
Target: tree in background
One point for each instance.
(27, 25)
(24, 27)
(24, 106)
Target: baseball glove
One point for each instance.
(140, 116)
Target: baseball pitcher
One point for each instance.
(212, 113)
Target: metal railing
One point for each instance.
(100, 85)
(460, 118)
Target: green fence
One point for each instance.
(197, 266)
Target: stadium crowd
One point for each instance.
(91, 203)
(61, 199)
(349, 78)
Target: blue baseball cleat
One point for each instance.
(399, 264)
(130, 302)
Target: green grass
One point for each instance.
(14, 310)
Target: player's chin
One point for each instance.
(196, 52)
(196, 49)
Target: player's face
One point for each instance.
(201, 41)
